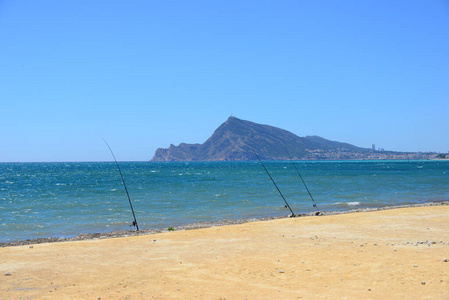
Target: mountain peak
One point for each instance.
(234, 139)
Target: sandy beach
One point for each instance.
(388, 254)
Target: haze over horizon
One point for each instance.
(145, 75)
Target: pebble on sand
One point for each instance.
(8, 274)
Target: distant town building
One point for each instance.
(374, 147)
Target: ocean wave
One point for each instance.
(220, 195)
(351, 203)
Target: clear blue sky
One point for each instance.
(147, 74)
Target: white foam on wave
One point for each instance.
(220, 195)
(352, 203)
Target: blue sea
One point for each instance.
(67, 199)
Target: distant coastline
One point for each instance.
(236, 139)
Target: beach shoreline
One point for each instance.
(377, 254)
(193, 226)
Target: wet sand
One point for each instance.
(385, 254)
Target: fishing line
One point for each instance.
(299, 174)
(272, 180)
(124, 184)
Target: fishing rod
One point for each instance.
(124, 184)
(272, 180)
(299, 174)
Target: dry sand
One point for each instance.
(390, 254)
